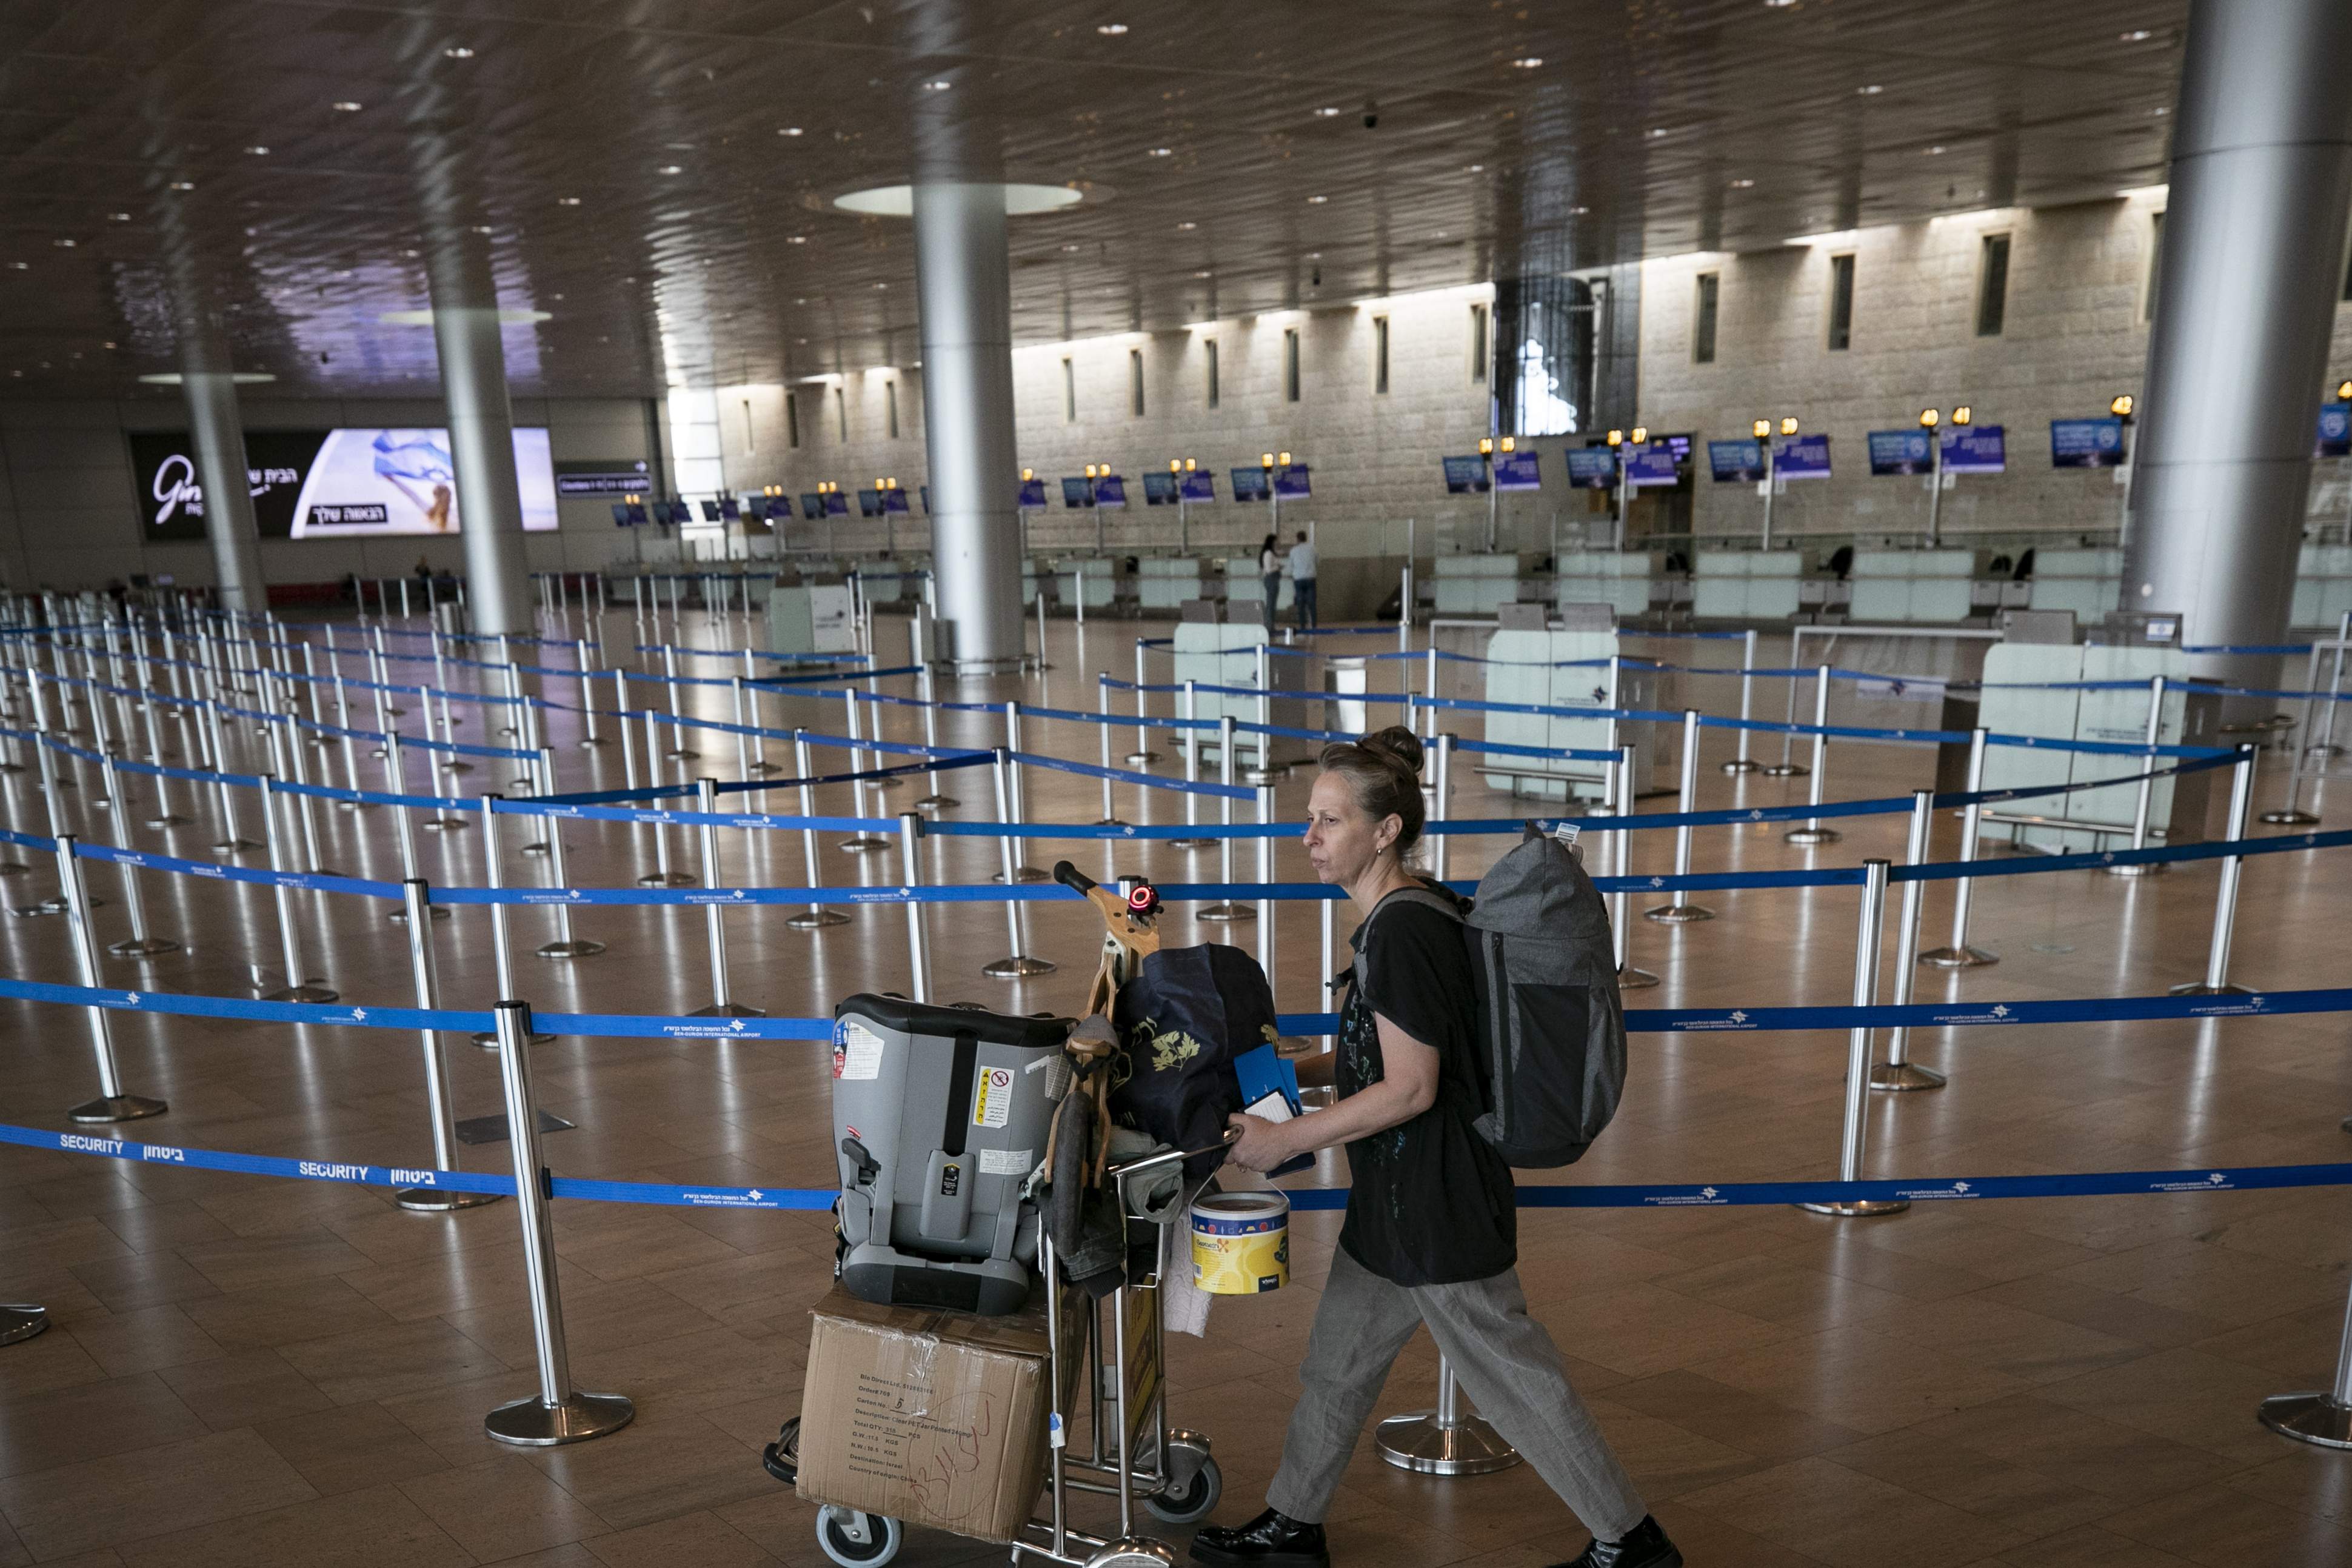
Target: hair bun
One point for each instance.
(1397, 743)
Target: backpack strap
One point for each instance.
(1428, 897)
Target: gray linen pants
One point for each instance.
(1506, 1362)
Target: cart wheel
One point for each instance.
(783, 1456)
(857, 1539)
(1195, 1500)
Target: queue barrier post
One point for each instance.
(559, 1412)
(1898, 1073)
(2322, 1420)
(2216, 982)
(1015, 964)
(1102, 726)
(566, 944)
(289, 943)
(1142, 755)
(111, 1105)
(1959, 955)
(664, 874)
(502, 945)
(1191, 738)
(1265, 879)
(140, 944)
(817, 915)
(1443, 1441)
(1225, 911)
(722, 1004)
(1812, 832)
(860, 842)
(2155, 732)
(1679, 913)
(1016, 786)
(416, 901)
(1621, 781)
(1441, 796)
(910, 872)
(587, 693)
(1858, 1047)
(937, 799)
(1743, 762)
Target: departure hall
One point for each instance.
(1102, 784)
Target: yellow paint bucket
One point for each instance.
(1241, 1243)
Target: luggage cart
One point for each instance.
(1176, 1478)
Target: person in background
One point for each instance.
(1302, 578)
(1432, 1232)
(1269, 573)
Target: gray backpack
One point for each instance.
(1551, 1028)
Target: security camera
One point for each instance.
(1372, 114)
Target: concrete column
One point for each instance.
(217, 432)
(962, 276)
(2253, 253)
(481, 434)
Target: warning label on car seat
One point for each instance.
(858, 1053)
(992, 1097)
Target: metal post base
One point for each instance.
(145, 948)
(488, 1038)
(309, 992)
(592, 740)
(2289, 818)
(817, 919)
(2156, 869)
(1741, 765)
(2199, 988)
(174, 820)
(2314, 1419)
(1224, 914)
(120, 1108)
(1858, 1209)
(727, 1010)
(579, 948)
(1022, 874)
(1957, 958)
(20, 1321)
(432, 912)
(535, 1424)
(1017, 967)
(1469, 1447)
(1678, 913)
(1142, 758)
(540, 848)
(1811, 836)
(1110, 823)
(1635, 979)
(763, 766)
(938, 802)
(238, 846)
(444, 825)
(1784, 770)
(680, 755)
(433, 1200)
(667, 879)
(1904, 1077)
(864, 845)
(1191, 844)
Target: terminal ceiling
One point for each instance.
(658, 175)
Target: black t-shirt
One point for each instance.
(1433, 1203)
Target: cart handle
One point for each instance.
(1149, 1161)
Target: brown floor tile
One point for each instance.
(2010, 1496)
(2078, 1448)
(243, 1388)
(89, 1421)
(374, 1528)
(1851, 1521)
(1872, 1383)
(393, 1360)
(665, 1463)
(147, 1492)
(2221, 1527)
(2179, 1394)
(703, 1538)
(349, 1447)
(2090, 1547)
(1734, 1416)
(503, 1507)
(143, 1339)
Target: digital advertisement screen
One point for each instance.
(1160, 490)
(1464, 475)
(1736, 461)
(870, 503)
(1197, 484)
(1592, 467)
(1251, 485)
(1076, 493)
(2086, 442)
(1110, 490)
(1517, 471)
(1033, 495)
(1291, 482)
(812, 504)
(1976, 449)
(895, 500)
(2335, 431)
(335, 484)
(1650, 466)
(1800, 457)
(1899, 451)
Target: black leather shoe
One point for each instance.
(1644, 1546)
(1270, 1540)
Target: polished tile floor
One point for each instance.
(249, 1371)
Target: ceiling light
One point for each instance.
(1656, 132)
(669, 169)
(1935, 150)
(482, 229)
(2137, 35)
(1317, 200)
(898, 200)
(1162, 152)
(20, 266)
(1188, 224)
(2160, 110)
(63, 243)
(1476, 169)
(458, 52)
(1069, 247)
(106, 345)
(1578, 212)
(182, 185)
(345, 106)
(1325, 114)
(1742, 185)
(1779, 4)
(1314, 256)
(118, 217)
(258, 151)
(796, 239)
(937, 86)
(788, 131)
(1872, 90)
(238, 378)
(1527, 62)
(1204, 274)
(1111, 29)
(881, 285)
(517, 318)
(567, 201)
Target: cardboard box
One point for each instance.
(931, 1418)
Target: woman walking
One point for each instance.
(1431, 1235)
(1269, 576)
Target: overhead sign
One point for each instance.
(779, 508)
(335, 484)
(1649, 464)
(1197, 484)
(812, 505)
(1076, 493)
(1160, 490)
(628, 515)
(1975, 449)
(2086, 442)
(1516, 471)
(1251, 485)
(1110, 490)
(1899, 451)
(870, 503)
(2335, 430)
(1800, 457)
(1593, 467)
(1290, 481)
(1033, 495)
(711, 513)
(894, 500)
(836, 504)
(602, 477)
(1735, 460)
(1464, 475)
